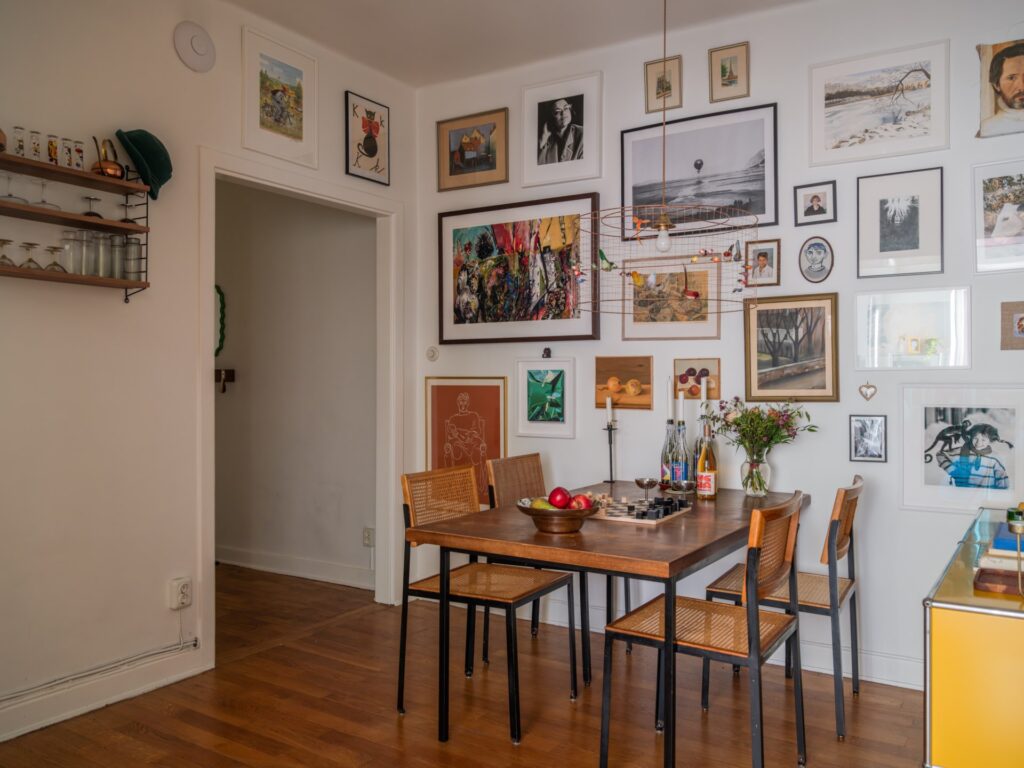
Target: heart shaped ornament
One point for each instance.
(867, 391)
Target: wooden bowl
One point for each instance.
(555, 520)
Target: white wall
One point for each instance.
(295, 434)
(901, 552)
(99, 402)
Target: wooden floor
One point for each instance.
(306, 677)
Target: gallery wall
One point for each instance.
(901, 551)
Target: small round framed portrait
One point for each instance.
(816, 259)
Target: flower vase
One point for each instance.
(756, 474)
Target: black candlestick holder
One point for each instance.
(611, 428)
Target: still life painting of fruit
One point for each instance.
(626, 380)
(691, 374)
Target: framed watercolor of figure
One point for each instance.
(663, 84)
(545, 397)
(508, 272)
(816, 259)
(814, 204)
(557, 116)
(899, 223)
(963, 446)
(999, 216)
(367, 139)
(467, 422)
(1002, 89)
(472, 151)
(729, 72)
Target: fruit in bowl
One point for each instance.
(559, 498)
(581, 501)
(551, 518)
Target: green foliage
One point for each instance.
(757, 429)
(545, 395)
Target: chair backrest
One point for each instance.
(843, 511)
(439, 494)
(515, 477)
(773, 534)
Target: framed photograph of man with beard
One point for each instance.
(562, 130)
(519, 272)
(1002, 89)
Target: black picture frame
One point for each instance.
(885, 438)
(797, 204)
(383, 178)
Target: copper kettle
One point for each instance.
(107, 164)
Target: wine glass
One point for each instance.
(42, 202)
(54, 265)
(4, 261)
(92, 199)
(29, 262)
(9, 197)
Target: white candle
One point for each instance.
(608, 408)
(703, 389)
(679, 407)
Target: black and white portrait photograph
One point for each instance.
(868, 438)
(560, 130)
(814, 204)
(899, 223)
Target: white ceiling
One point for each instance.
(430, 41)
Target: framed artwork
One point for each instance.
(922, 328)
(1012, 325)
(899, 223)
(367, 139)
(868, 438)
(472, 151)
(816, 259)
(890, 103)
(814, 204)
(506, 272)
(279, 99)
(764, 259)
(688, 375)
(729, 72)
(628, 381)
(999, 215)
(1002, 97)
(546, 397)
(663, 299)
(725, 159)
(466, 423)
(963, 446)
(556, 117)
(791, 348)
(663, 84)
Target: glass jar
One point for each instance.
(88, 252)
(117, 254)
(71, 252)
(19, 141)
(133, 264)
(103, 261)
(52, 149)
(35, 145)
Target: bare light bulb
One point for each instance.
(664, 242)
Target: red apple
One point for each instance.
(560, 497)
(580, 501)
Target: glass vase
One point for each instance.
(756, 474)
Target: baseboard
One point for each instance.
(303, 567)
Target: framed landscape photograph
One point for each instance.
(506, 272)
(546, 397)
(367, 139)
(816, 259)
(556, 118)
(1011, 325)
(466, 423)
(663, 84)
(963, 446)
(472, 151)
(868, 438)
(1002, 98)
(899, 223)
(663, 299)
(628, 381)
(764, 259)
(729, 72)
(279, 99)
(791, 348)
(724, 160)
(999, 216)
(916, 328)
(814, 204)
(890, 103)
(686, 372)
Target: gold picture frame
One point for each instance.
(472, 150)
(729, 72)
(663, 80)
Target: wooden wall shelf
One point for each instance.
(51, 172)
(70, 220)
(63, 277)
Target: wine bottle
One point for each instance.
(707, 467)
(681, 459)
(668, 452)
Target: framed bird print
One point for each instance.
(367, 139)
(662, 299)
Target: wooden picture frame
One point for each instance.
(472, 150)
(729, 72)
(772, 251)
(663, 81)
(367, 139)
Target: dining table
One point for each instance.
(663, 553)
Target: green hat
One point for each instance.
(150, 157)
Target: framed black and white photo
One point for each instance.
(663, 84)
(545, 397)
(814, 204)
(816, 259)
(868, 438)
(914, 329)
(999, 216)
(562, 130)
(963, 446)
(899, 223)
(723, 159)
(885, 104)
(764, 262)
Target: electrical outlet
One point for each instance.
(368, 537)
(179, 593)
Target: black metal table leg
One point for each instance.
(442, 655)
(669, 672)
(585, 627)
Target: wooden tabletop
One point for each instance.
(709, 531)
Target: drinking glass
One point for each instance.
(88, 253)
(4, 261)
(92, 199)
(54, 265)
(42, 202)
(71, 257)
(103, 266)
(29, 262)
(9, 197)
(117, 251)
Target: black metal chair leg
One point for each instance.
(573, 682)
(470, 637)
(659, 695)
(789, 659)
(736, 667)
(837, 673)
(585, 627)
(486, 643)
(756, 716)
(513, 675)
(401, 652)
(854, 651)
(628, 600)
(705, 682)
(609, 600)
(535, 618)
(606, 699)
(798, 695)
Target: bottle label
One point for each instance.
(666, 473)
(707, 483)
(680, 472)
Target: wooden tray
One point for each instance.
(999, 582)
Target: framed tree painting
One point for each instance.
(546, 397)
(890, 103)
(999, 215)
(899, 223)
(472, 151)
(508, 272)
(466, 423)
(723, 160)
(279, 99)
(367, 139)
(791, 348)
(663, 299)
(557, 117)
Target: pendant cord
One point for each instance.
(664, 67)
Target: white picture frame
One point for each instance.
(669, 277)
(547, 161)
(914, 329)
(283, 125)
(848, 129)
(527, 423)
(937, 485)
(900, 223)
(999, 216)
